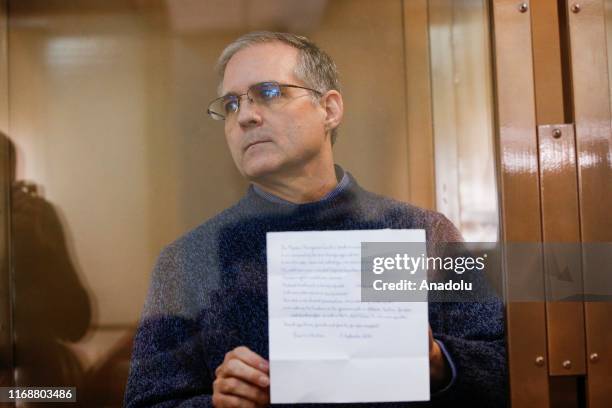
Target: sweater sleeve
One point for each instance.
(168, 363)
(475, 342)
(473, 333)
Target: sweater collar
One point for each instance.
(343, 178)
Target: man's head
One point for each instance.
(296, 128)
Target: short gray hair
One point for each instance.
(314, 66)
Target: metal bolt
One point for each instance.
(539, 361)
(567, 364)
(576, 8)
(523, 7)
(556, 133)
(594, 357)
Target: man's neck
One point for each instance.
(301, 188)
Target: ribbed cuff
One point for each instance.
(452, 367)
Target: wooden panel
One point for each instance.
(560, 218)
(419, 114)
(593, 144)
(599, 341)
(520, 198)
(565, 392)
(547, 62)
(561, 224)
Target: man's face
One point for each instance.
(279, 140)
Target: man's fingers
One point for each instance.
(249, 357)
(241, 370)
(242, 380)
(234, 386)
(230, 401)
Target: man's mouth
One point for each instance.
(253, 143)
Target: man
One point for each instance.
(203, 339)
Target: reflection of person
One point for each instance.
(203, 336)
(51, 306)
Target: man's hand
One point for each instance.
(439, 371)
(242, 380)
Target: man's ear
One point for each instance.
(334, 109)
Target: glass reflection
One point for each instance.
(115, 158)
(114, 150)
(52, 308)
(463, 118)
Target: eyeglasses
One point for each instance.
(262, 94)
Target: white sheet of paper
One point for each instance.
(325, 344)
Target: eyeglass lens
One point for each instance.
(261, 94)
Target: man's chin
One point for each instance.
(258, 172)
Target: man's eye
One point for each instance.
(270, 93)
(230, 106)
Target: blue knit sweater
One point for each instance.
(208, 295)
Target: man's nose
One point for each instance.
(248, 114)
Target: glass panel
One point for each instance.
(115, 157)
(462, 100)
